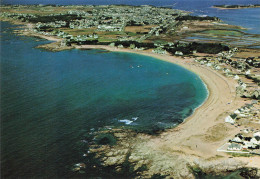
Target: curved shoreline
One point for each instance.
(192, 136)
(187, 63)
(193, 139)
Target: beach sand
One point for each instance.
(201, 134)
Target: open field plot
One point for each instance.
(139, 29)
(42, 10)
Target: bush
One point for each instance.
(196, 18)
(211, 48)
(105, 139)
(158, 176)
(46, 19)
(151, 130)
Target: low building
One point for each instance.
(234, 146)
(178, 53)
(256, 94)
(230, 120)
(255, 140)
(159, 51)
(249, 144)
(237, 139)
(257, 134)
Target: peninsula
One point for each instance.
(222, 135)
(237, 6)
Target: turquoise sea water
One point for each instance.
(50, 100)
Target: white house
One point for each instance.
(246, 131)
(248, 72)
(236, 139)
(229, 120)
(237, 111)
(249, 144)
(234, 146)
(217, 67)
(243, 85)
(255, 140)
(257, 134)
(236, 77)
(178, 53)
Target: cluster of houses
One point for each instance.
(245, 71)
(79, 39)
(57, 24)
(109, 18)
(159, 50)
(247, 90)
(247, 142)
(249, 113)
(18, 16)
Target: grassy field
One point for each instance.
(42, 10)
(139, 29)
(223, 32)
(76, 32)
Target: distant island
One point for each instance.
(236, 6)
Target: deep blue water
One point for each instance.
(49, 100)
(248, 18)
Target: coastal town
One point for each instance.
(164, 33)
(105, 23)
(141, 27)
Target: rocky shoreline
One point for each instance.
(129, 157)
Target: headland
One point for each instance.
(237, 6)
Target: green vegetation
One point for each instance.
(196, 18)
(76, 32)
(200, 174)
(158, 176)
(152, 130)
(188, 48)
(249, 172)
(241, 154)
(53, 18)
(223, 32)
(105, 40)
(105, 139)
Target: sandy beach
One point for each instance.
(201, 134)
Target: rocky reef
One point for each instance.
(125, 153)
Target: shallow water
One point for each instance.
(49, 100)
